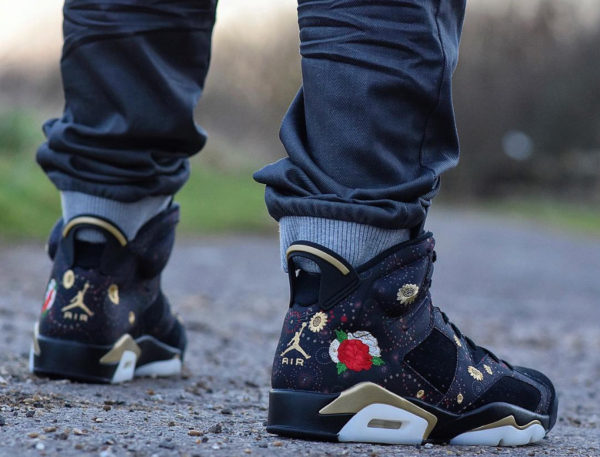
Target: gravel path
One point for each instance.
(527, 292)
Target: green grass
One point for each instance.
(213, 201)
(220, 197)
(583, 218)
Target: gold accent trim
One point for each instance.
(36, 345)
(488, 369)
(459, 398)
(420, 393)
(125, 343)
(114, 231)
(323, 255)
(364, 394)
(113, 293)
(131, 318)
(457, 341)
(508, 420)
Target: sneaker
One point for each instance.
(364, 356)
(104, 317)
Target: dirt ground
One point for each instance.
(525, 291)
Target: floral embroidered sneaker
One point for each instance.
(104, 317)
(365, 356)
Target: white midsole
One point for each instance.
(161, 368)
(408, 427)
(382, 423)
(506, 435)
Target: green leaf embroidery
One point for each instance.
(341, 335)
(341, 367)
(377, 361)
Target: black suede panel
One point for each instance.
(435, 360)
(510, 390)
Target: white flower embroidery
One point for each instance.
(333, 351)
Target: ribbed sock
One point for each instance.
(357, 243)
(129, 217)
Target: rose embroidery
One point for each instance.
(355, 351)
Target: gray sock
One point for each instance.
(357, 243)
(129, 217)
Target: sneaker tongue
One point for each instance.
(88, 255)
(306, 287)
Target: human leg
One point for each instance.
(132, 73)
(368, 136)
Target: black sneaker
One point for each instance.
(104, 317)
(365, 356)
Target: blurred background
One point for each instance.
(527, 100)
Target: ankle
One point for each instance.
(357, 243)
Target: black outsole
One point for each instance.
(295, 414)
(81, 362)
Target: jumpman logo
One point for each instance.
(77, 301)
(295, 343)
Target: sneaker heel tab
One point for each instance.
(338, 277)
(95, 222)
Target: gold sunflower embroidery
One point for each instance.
(420, 393)
(488, 369)
(457, 341)
(68, 279)
(407, 293)
(459, 398)
(475, 373)
(317, 322)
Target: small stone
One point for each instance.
(2, 421)
(77, 431)
(226, 411)
(98, 419)
(248, 451)
(171, 424)
(166, 445)
(277, 444)
(195, 433)
(63, 436)
(107, 407)
(204, 439)
(33, 435)
(40, 446)
(30, 413)
(49, 429)
(215, 446)
(428, 446)
(217, 428)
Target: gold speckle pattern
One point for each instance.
(317, 322)
(488, 369)
(420, 393)
(475, 373)
(68, 279)
(131, 318)
(457, 341)
(459, 398)
(113, 293)
(407, 294)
